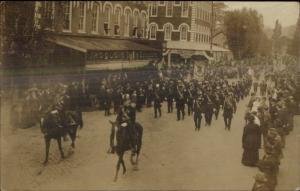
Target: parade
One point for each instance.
(149, 95)
(268, 118)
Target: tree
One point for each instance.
(244, 32)
(276, 38)
(25, 44)
(265, 46)
(294, 46)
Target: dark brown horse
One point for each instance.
(123, 144)
(52, 128)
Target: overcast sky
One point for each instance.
(286, 12)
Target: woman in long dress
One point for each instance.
(251, 142)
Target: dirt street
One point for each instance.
(173, 156)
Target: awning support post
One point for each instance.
(169, 59)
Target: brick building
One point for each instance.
(184, 29)
(94, 34)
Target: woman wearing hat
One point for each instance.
(251, 143)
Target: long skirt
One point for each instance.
(250, 157)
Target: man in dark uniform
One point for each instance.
(197, 112)
(117, 99)
(228, 112)
(170, 97)
(208, 111)
(157, 103)
(107, 102)
(190, 100)
(180, 102)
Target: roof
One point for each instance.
(85, 44)
(193, 46)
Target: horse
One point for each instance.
(123, 144)
(53, 129)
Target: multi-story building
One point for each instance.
(97, 34)
(2, 21)
(184, 27)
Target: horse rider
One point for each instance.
(125, 119)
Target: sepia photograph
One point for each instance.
(150, 95)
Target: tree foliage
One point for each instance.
(244, 32)
(294, 46)
(276, 38)
(25, 44)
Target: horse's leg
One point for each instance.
(118, 166)
(47, 143)
(72, 134)
(60, 147)
(123, 165)
(131, 158)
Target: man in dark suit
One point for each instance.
(157, 104)
(197, 112)
(228, 112)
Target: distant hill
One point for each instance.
(286, 31)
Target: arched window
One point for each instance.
(95, 17)
(168, 31)
(117, 21)
(107, 14)
(67, 9)
(183, 32)
(135, 23)
(153, 29)
(143, 24)
(127, 22)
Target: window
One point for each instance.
(183, 32)
(176, 2)
(82, 16)
(143, 24)
(67, 16)
(169, 9)
(185, 9)
(201, 14)
(49, 14)
(107, 13)
(168, 31)
(117, 21)
(95, 16)
(153, 9)
(153, 30)
(135, 23)
(162, 2)
(127, 22)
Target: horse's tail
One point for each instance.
(139, 129)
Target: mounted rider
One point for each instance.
(125, 119)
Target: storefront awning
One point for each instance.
(180, 45)
(116, 65)
(84, 44)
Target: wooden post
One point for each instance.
(169, 59)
